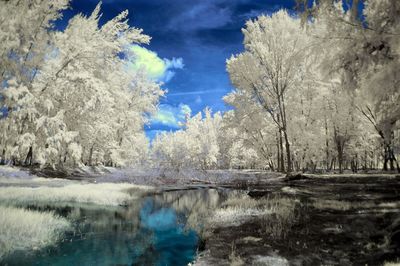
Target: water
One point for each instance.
(155, 230)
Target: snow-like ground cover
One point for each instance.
(12, 172)
(19, 188)
(234, 216)
(108, 194)
(347, 174)
(22, 229)
(154, 176)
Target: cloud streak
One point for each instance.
(195, 92)
(204, 15)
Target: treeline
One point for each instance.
(67, 97)
(317, 92)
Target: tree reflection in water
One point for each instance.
(161, 229)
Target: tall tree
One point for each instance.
(83, 105)
(270, 68)
(365, 49)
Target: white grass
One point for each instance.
(236, 210)
(13, 172)
(364, 206)
(269, 260)
(234, 216)
(339, 205)
(240, 208)
(108, 194)
(392, 264)
(26, 229)
(276, 213)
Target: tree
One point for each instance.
(24, 36)
(194, 146)
(253, 134)
(83, 104)
(365, 49)
(270, 68)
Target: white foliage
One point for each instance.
(76, 99)
(194, 147)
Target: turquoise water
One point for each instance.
(151, 231)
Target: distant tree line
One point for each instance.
(315, 92)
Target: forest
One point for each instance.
(313, 92)
(296, 162)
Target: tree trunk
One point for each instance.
(385, 157)
(28, 159)
(332, 166)
(340, 161)
(271, 165)
(327, 146)
(278, 155)
(365, 160)
(91, 155)
(3, 159)
(282, 107)
(340, 141)
(288, 155)
(391, 159)
(282, 160)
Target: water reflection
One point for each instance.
(156, 230)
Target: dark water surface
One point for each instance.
(154, 230)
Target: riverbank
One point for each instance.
(241, 217)
(335, 220)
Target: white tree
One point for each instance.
(366, 50)
(270, 68)
(195, 146)
(84, 104)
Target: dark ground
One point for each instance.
(353, 220)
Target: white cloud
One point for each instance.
(203, 15)
(176, 63)
(171, 116)
(168, 75)
(198, 100)
(156, 68)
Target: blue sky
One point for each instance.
(193, 39)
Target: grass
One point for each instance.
(22, 229)
(277, 214)
(278, 223)
(338, 205)
(235, 216)
(234, 257)
(342, 205)
(236, 210)
(269, 260)
(107, 194)
(392, 263)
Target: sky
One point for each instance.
(191, 41)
